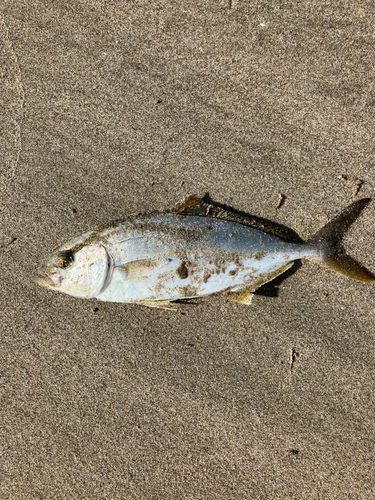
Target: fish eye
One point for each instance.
(64, 260)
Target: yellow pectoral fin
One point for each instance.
(245, 295)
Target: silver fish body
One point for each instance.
(168, 257)
(164, 257)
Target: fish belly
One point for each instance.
(170, 258)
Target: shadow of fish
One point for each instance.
(192, 251)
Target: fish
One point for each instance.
(192, 251)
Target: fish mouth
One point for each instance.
(47, 281)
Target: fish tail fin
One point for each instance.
(328, 242)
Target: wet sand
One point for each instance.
(115, 108)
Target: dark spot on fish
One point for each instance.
(188, 291)
(233, 272)
(259, 255)
(182, 271)
(206, 276)
(238, 263)
(96, 309)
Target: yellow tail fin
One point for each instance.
(332, 253)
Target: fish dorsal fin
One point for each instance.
(193, 205)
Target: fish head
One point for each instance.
(78, 268)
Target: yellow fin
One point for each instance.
(245, 295)
(159, 304)
(329, 243)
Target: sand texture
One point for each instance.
(111, 108)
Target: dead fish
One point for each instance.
(192, 251)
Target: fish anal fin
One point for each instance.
(159, 304)
(245, 295)
(193, 205)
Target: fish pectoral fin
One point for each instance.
(159, 304)
(193, 205)
(138, 269)
(245, 295)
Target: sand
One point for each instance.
(111, 108)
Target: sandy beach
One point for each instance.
(113, 108)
